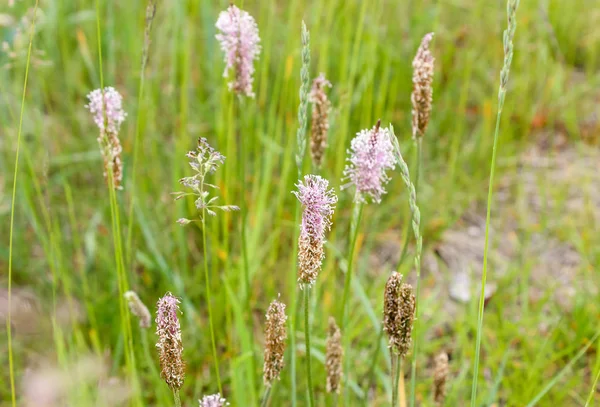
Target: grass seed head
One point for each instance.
(334, 356)
(275, 336)
(170, 347)
(422, 94)
(398, 314)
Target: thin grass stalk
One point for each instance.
(593, 389)
(118, 246)
(13, 394)
(418, 154)
(150, 13)
(300, 153)
(509, 33)
(311, 397)
(209, 303)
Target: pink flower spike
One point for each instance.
(318, 205)
(241, 45)
(370, 156)
(113, 109)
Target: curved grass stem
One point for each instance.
(13, 394)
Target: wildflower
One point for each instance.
(398, 314)
(240, 43)
(138, 309)
(204, 161)
(334, 355)
(169, 341)
(422, 94)
(371, 155)
(106, 107)
(275, 336)
(318, 204)
(320, 118)
(214, 400)
(440, 375)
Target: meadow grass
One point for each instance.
(75, 242)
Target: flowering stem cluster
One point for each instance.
(204, 161)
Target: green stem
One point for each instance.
(13, 393)
(307, 335)
(404, 252)
(354, 226)
(138, 127)
(396, 372)
(177, 398)
(265, 398)
(209, 303)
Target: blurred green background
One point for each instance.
(544, 254)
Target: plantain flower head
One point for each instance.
(170, 347)
(371, 154)
(238, 35)
(318, 204)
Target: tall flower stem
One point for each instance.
(509, 34)
(177, 398)
(13, 393)
(300, 152)
(117, 239)
(307, 335)
(266, 396)
(397, 371)
(354, 226)
(416, 227)
(209, 303)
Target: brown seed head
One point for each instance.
(310, 259)
(398, 314)
(138, 309)
(111, 150)
(169, 344)
(320, 118)
(334, 356)
(422, 94)
(275, 336)
(440, 375)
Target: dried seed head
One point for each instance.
(398, 314)
(422, 94)
(334, 356)
(138, 309)
(169, 344)
(238, 35)
(318, 203)
(440, 375)
(275, 336)
(371, 154)
(320, 118)
(214, 400)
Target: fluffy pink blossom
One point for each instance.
(318, 203)
(115, 115)
(214, 400)
(370, 156)
(240, 42)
